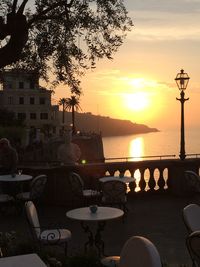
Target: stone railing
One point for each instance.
(152, 176)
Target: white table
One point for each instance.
(29, 260)
(102, 215)
(125, 179)
(17, 178)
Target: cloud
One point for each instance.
(154, 26)
(172, 6)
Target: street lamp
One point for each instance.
(182, 80)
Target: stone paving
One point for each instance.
(157, 217)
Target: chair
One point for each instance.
(137, 251)
(193, 181)
(191, 217)
(114, 194)
(78, 191)
(45, 236)
(37, 187)
(193, 246)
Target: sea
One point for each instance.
(163, 144)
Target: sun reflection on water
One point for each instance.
(136, 148)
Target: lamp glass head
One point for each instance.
(182, 80)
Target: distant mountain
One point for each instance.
(87, 122)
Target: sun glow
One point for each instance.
(137, 101)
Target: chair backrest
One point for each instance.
(139, 251)
(191, 217)
(193, 246)
(76, 184)
(37, 186)
(32, 217)
(193, 181)
(114, 191)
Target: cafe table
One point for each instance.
(28, 260)
(125, 179)
(17, 178)
(100, 217)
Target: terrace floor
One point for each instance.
(157, 217)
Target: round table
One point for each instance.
(10, 187)
(102, 215)
(17, 178)
(125, 179)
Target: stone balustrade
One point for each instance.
(152, 176)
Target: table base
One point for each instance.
(95, 239)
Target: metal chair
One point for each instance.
(45, 236)
(114, 194)
(79, 193)
(191, 217)
(5, 201)
(137, 251)
(37, 187)
(193, 181)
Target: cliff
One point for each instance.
(87, 122)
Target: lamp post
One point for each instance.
(182, 80)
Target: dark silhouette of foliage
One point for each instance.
(64, 36)
(62, 102)
(72, 103)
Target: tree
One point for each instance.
(73, 104)
(62, 102)
(64, 36)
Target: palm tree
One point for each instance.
(62, 102)
(72, 103)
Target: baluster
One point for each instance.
(161, 181)
(132, 185)
(142, 183)
(151, 182)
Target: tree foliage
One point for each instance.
(73, 104)
(61, 37)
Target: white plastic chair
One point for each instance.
(191, 217)
(193, 246)
(138, 251)
(45, 236)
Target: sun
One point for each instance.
(137, 101)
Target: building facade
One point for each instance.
(21, 93)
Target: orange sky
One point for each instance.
(138, 84)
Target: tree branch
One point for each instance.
(50, 8)
(21, 8)
(14, 6)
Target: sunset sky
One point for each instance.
(138, 84)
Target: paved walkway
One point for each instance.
(158, 218)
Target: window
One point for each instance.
(31, 85)
(32, 100)
(42, 100)
(21, 85)
(21, 100)
(9, 85)
(33, 116)
(21, 116)
(44, 116)
(10, 100)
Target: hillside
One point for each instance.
(87, 122)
